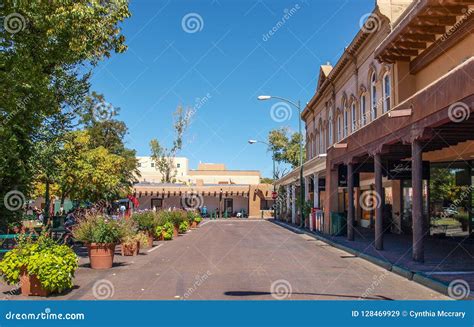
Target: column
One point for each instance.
(350, 208)
(316, 190)
(288, 203)
(417, 208)
(293, 203)
(378, 203)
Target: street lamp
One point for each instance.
(274, 172)
(298, 106)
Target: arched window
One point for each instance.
(330, 131)
(363, 112)
(321, 142)
(346, 119)
(339, 128)
(387, 90)
(373, 96)
(353, 117)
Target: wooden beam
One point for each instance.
(410, 45)
(418, 37)
(435, 20)
(433, 29)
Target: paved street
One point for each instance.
(235, 259)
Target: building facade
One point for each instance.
(389, 129)
(221, 191)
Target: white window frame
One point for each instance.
(353, 117)
(387, 97)
(363, 109)
(373, 96)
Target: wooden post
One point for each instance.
(417, 208)
(378, 202)
(350, 207)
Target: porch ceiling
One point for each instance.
(425, 30)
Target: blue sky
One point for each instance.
(224, 61)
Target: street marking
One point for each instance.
(156, 247)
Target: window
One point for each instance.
(339, 128)
(330, 130)
(178, 165)
(321, 144)
(386, 92)
(139, 164)
(353, 116)
(363, 118)
(373, 96)
(346, 122)
(153, 164)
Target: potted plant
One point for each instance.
(176, 217)
(197, 220)
(101, 235)
(146, 223)
(40, 265)
(165, 232)
(183, 227)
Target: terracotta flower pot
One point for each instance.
(175, 231)
(150, 237)
(130, 249)
(101, 256)
(194, 224)
(30, 285)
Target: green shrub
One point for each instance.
(168, 230)
(183, 227)
(176, 217)
(162, 217)
(146, 221)
(193, 216)
(99, 229)
(54, 265)
(198, 219)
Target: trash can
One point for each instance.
(338, 224)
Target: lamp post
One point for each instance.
(298, 106)
(274, 173)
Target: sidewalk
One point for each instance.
(446, 260)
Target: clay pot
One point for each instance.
(130, 249)
(101, 256)
(175, 231)
(194, 224)
(151, 237)
(30, 285)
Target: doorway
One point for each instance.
(229, 206)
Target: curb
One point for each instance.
(419, 278)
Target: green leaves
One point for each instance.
(286, 146)
(99, 229)
(54, 265)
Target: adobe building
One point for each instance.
(389, 131)
(225, 193)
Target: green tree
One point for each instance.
(44, 52)
(286, 146)
(164, 157)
